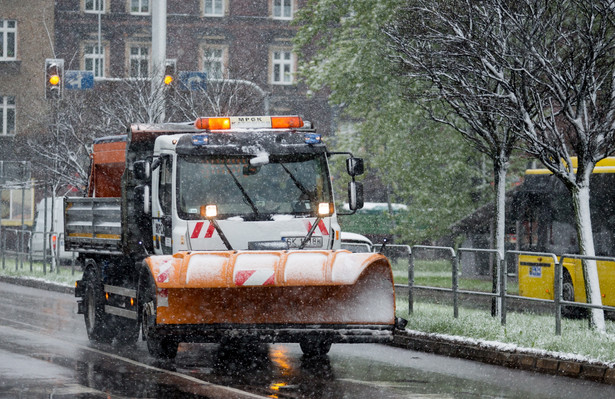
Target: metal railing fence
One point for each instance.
(499, 292)
(13, 244)
(559, 279)
(18, 243)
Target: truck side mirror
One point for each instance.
(142, 170)
(354, 166)
(155, 163)
(355, 195)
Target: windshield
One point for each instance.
(289, 185)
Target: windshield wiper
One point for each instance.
(299, 185)
(243, 191)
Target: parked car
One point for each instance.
(54, 230)
(354, 242)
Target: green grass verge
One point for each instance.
(525, 330)
(61, 275)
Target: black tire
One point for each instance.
(570, 312)
(158, 346)
(315, 347)
(97, 323)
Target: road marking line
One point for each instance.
(134, 362)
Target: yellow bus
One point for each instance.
(546, 224)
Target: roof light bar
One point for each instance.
(286, 122)
(249, 122)
(213, 123)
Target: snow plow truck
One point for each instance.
(223, 229)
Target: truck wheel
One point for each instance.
(97, 323)
(159, 347)
(315, 347)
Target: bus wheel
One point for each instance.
(571, 312)
(97, 322)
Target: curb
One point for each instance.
(43, 285)
(516, 358)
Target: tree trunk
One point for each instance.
(500, 169)
(580, 200)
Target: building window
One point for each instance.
(8, 40)
(213, 8)
(282, 67)
(283, 9)
(139, 7)
(213, 62)
(95, 6)
(138, 59)
(94, 59)
(7, 115)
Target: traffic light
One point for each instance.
(54, 78)
(169, 71)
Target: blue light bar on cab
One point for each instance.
(312, 138)
(200, 139)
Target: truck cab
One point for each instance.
(267, 191)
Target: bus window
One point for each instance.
(536, 224)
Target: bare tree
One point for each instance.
(222, 97)
(230, 91)
(549, 68)
(570, 46)
(443, 44)
(61, 151)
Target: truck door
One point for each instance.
(163, 215)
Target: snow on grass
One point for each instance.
(63, 275)
(531, 332)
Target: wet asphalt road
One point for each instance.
(44, 353)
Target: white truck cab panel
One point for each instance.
(272, 199)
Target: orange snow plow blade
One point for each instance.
(273, 288)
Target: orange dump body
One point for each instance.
(108, 164)
(273, 287)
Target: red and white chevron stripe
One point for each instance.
(321, 227)
(199, 227)
(254, 277)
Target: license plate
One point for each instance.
(295, 242)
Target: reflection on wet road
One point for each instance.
(44, 353)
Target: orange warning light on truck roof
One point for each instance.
(249, 122)
(288, 122)
(213, 123)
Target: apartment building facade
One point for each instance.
(26, 39)
(244, 41)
